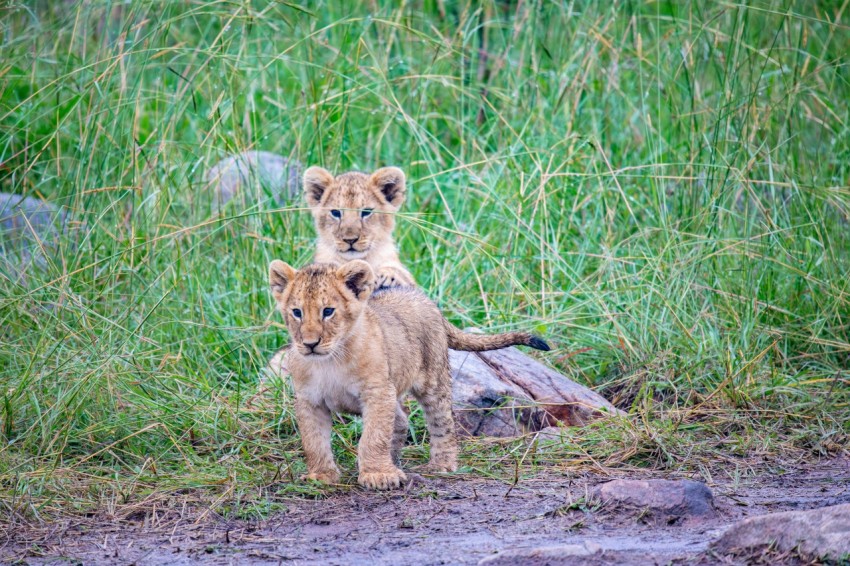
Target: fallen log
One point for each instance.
(508, 393)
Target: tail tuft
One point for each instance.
(538, 343)
(467, 342)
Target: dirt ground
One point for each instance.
(448, 520)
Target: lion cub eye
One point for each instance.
(366, 212)
(336, 213)
(296, 313)
(327, 313)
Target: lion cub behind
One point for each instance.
(354, 214)
(358, 352)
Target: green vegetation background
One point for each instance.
(661, 188)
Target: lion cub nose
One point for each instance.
(312, 345)
(350, 241)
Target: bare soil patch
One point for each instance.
(439, 520)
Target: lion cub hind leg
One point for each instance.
(437, 406)
(374, 453)
(400, 430)
(314, 424)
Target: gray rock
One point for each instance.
(556, 554)
(664, 499)
(28, 219)
(29, 229)
(255, 175)
(822, 533)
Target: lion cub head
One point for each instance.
(353, 211)
(321, 303)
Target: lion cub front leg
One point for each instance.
(374, 453)
(393, 276)
(314, 424)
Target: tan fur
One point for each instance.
(362, 359)
(353, 235)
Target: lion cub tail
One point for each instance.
(468, 342)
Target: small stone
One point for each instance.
(821, 533)
(663, 498)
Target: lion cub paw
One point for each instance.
(325, 476)
(382, 480)
(388, 277)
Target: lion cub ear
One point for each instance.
(390, 183)
(316, 182)
(358, 277)
(280, 275)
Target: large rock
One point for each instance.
(507, 393)
(822, 533)
(29, 229)
(255, 175)
(663, 499)
(28, 220)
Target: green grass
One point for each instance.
(660, 188)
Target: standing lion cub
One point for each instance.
(358, 352)
(354, 215)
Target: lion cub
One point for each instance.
(358, 352)
(354, 215)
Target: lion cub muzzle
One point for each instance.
(350, 237)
